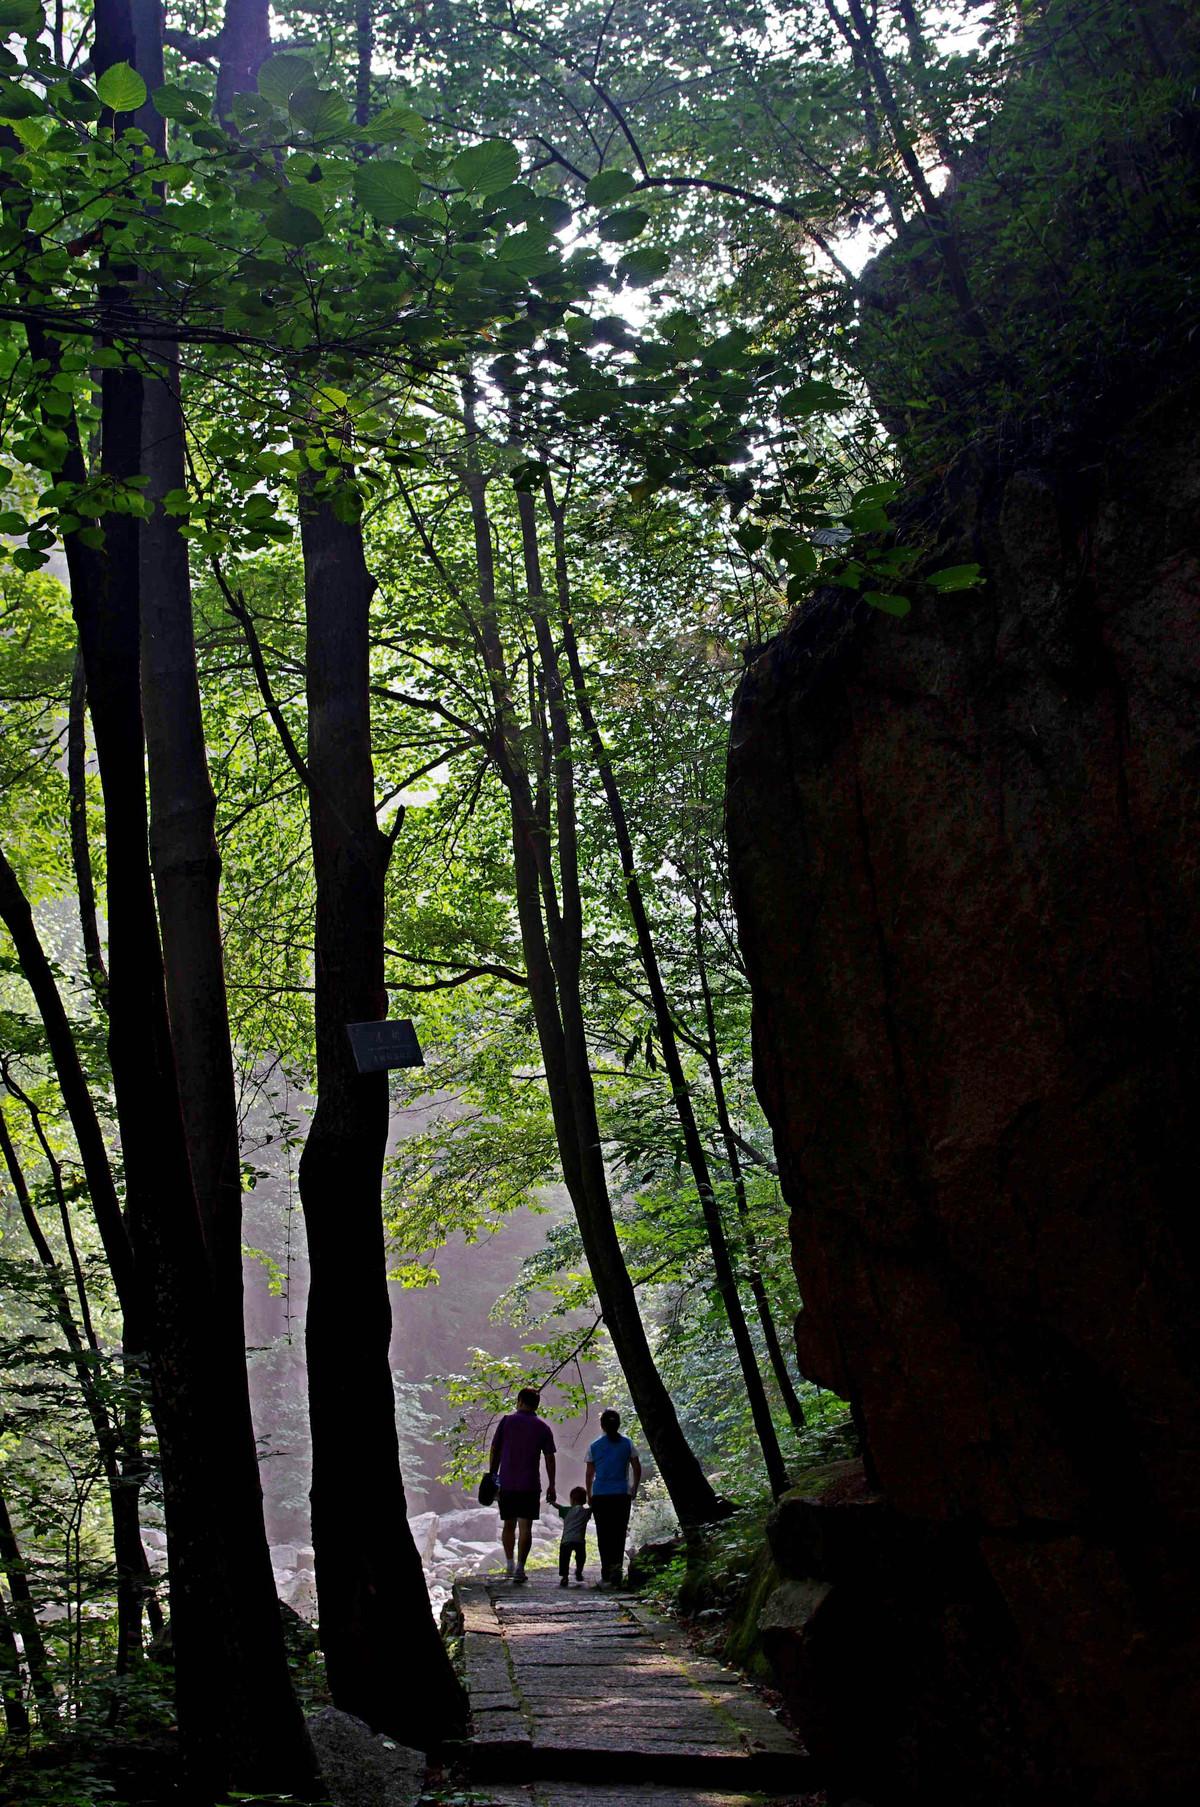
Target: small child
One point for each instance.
(574, 1535)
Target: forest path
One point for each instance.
(577, 1694)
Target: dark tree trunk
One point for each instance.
(238, 1719)
(762, 1302)
(89, 1138)
(81, 856)
(25, 1621)
(245, 44)
(383, 1655)
(550, 936)
(187, 873)
(133, 1570)
(364, 25)
(680, 1091)
(12, 1693)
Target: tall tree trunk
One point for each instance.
(550, 938)
(25, 1620)
(245, 44)
(17, 917)
(81, 856)
(383, 1655)
(133, 1570)
(762, 1302)
(12, 1692)
(187, 873)
(697, 1158)
(238, 1719)
(364, 27)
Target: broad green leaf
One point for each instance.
(955, 577)
(251, 111)
(321, 111)
(293, 225)
(393, 123)
(486, 168)
(750, 538)
(524, 254)
(121, 88)
(889, 603)
(17, 102)
(619, 228)
(813, 397)
(281, 76)
(21, 16)
(386, 188)
(876, 492)
(608, 186)
(642, 265)
(173, 102)
(347, 503)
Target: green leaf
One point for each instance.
(281, 76)
(955, 577)
(750, 538)
(525, 254)
(889, 603)
(321, 111)
(796, 553)
(608, 186)
(386, 189)
(813, 397)
(486, 168)
(294, 225)
(172, 102)
(347, 504)
(25, 560)
(17, 102)
(393, 123)
(20, 16)
(619, 228)
(121, 88)
(642, 266)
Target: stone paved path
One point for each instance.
(583, 1699)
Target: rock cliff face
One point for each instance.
(966, 857)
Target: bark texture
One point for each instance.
(385, 1660)
(966, 854)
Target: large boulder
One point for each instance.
(966, 862)
(360, 1768)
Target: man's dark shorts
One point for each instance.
(519, 1502)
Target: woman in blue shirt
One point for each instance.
(611, 1460)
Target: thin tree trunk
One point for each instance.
(550, 936)
(89, 1138)
(364, 26)
(17, 917)
(25, 1620)
(918, 52)
(81, 857)
(12, 1693)
(723, 1269)
(384, 1658)
(133, 1570)
(766, 1316)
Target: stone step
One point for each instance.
(590, 1690)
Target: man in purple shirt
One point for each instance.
(521, 1440)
